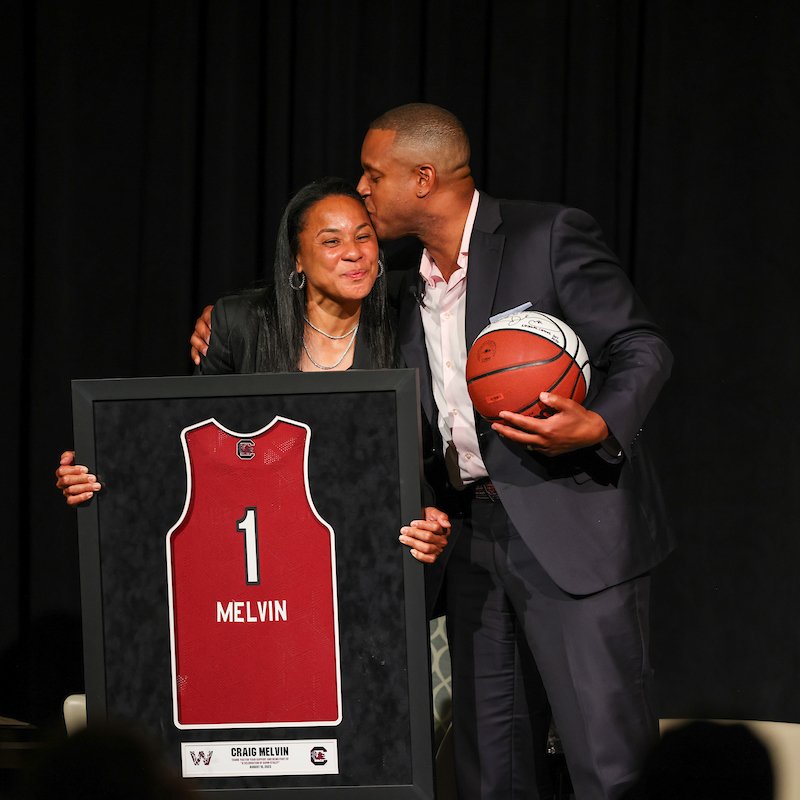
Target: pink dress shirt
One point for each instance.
(443, 319)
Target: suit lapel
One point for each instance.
(485, 255)
(362, 358)
(412, 346)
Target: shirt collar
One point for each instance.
(427, 267)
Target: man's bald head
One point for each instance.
(431, 133)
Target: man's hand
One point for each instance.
(201, 335)
(567, 426)
(427, 537)
(74, 480)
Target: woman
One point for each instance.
(326, 310)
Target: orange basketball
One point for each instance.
(519, 356)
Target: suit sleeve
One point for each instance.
(220, 359)
(631, 360)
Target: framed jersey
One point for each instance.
(245, 599)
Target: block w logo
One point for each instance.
(201, 757)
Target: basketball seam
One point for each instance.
(520, 366)
(556, 383)
(550, 389)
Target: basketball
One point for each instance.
(521, 355)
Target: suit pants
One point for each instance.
(508, 624)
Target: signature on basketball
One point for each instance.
(543, 326)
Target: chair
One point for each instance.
(75, 713)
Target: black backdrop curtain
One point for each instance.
(150, 147)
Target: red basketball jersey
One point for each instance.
(252, 584)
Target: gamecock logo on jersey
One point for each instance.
(201, 756)
(245, 449)
(319, 756)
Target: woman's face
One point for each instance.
(337, 251)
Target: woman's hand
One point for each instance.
(74, 480)
(427, 537)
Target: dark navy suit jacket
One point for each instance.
(591, 520)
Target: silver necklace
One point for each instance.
(329, 335)
(352, 334)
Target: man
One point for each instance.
(560, 519)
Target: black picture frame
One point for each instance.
(364, 473)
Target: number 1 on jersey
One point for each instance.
(248, 524)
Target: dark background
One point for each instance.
(149, 148)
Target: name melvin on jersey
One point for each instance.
(246, 611)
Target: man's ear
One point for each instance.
(426, 178)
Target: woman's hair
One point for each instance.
(281, 312)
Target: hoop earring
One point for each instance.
(302, 280)
(381, 270)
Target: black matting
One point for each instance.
(363, 472)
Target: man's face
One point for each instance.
(388, 185)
